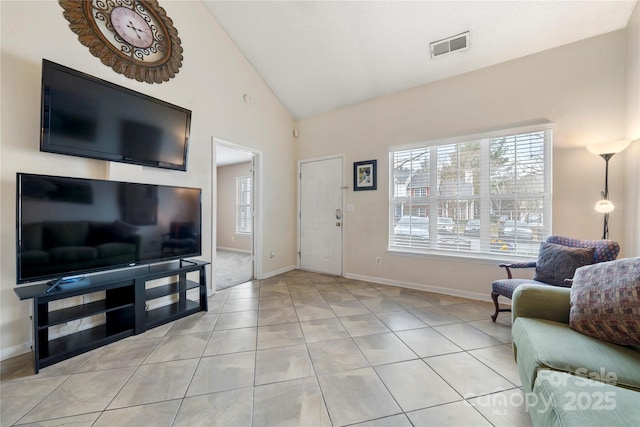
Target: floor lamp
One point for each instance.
(607, 150)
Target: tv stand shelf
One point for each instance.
(124, 307)
(168, 313)
(78, 312)
(172, 288)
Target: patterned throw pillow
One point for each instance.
(605, 301)
(556, 263)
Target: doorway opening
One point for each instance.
(235, 224)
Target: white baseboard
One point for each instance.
(242, 251)
(422, 287)
(276, 272)
(8, 353)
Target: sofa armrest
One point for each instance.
(541, 302)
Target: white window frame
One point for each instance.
(242, 223)
(486, 247)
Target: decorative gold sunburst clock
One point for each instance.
(134, 37)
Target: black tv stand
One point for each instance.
(127, 296)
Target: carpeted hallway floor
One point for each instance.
(232, 268)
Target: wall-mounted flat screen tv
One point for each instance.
(89, 117)
(70, 226)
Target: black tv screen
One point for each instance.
(71, 226)
(89, 117)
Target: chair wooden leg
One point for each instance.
(494, 297)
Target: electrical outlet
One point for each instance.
(378, 260)
(272, 255)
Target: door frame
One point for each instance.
(344, 187)
(256, 238)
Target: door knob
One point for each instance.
(338, 224)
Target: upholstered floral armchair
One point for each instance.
(558, 259)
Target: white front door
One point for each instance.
(321, 216)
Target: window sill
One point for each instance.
(478, 258)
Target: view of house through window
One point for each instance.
(485, 195)
(244, 188)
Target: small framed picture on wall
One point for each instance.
(365, 175)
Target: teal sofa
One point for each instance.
(570, 378)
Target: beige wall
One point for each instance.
(589, 89)
(211, 83)
(226, 237)
(632, 154)
(579, 87)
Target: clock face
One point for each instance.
(134, 37)
(131, 27)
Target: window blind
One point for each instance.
(485, 195)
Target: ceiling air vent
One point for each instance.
(451, 44)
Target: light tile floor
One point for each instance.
(299, 349)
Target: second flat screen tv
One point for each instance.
(89, 117)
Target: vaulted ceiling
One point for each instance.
(321, 55)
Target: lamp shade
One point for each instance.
(604, 206)
(611, 147)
